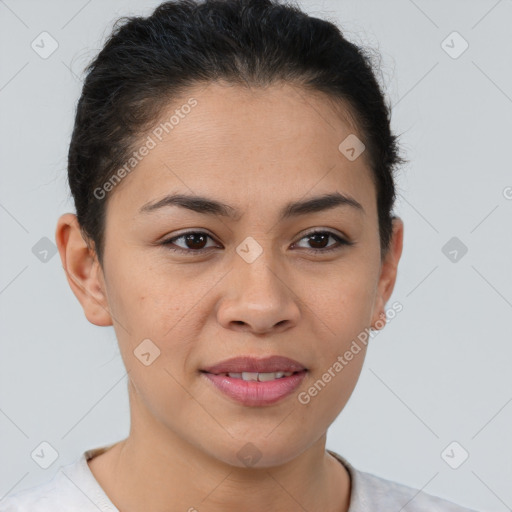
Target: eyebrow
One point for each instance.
(207, 206)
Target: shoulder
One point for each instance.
(371, 492)
(41, 498)
(375, 491)
(72, 488)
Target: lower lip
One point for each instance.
(254, 393)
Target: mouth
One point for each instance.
(254, 381)
(252, 368)
(256, 376)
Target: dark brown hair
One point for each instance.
(147, 61)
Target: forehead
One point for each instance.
(250, 146)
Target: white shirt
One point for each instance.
(74, 488)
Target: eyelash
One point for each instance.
(340, 242)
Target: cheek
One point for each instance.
(330, 388)
(144, 300)
(343, 305)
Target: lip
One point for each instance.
(252, 393)
(252, 364)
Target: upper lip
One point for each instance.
(257, 365)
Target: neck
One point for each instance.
(155, 469)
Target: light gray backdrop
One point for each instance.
(440, 371)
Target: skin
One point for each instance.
(181, 453)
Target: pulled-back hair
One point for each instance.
(147, 62)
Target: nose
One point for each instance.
(258, 298)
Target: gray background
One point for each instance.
(439, 372)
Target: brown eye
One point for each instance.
(194, 242)
(319, 240)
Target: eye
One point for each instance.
(320, 237)
(195, 240)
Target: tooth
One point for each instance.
(273, 375)
(263, 377)
(249, 376)
(255, 376)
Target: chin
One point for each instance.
(260, 452)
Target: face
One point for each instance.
(202, 284)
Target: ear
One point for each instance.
(83, 271)
(388, 274)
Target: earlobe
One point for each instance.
(388, 274)
(82, 270)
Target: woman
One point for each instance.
(232, 170)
